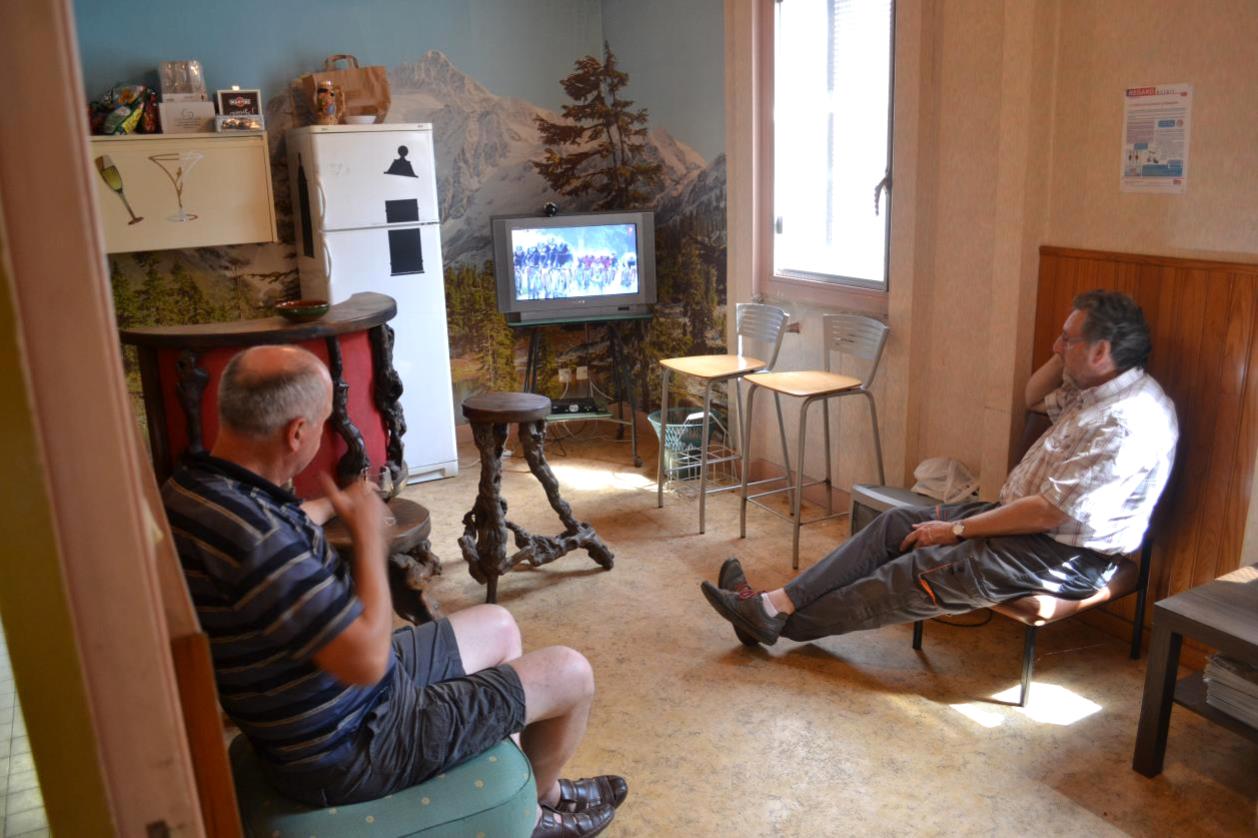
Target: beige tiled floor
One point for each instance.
(21, 804)
(853, 735)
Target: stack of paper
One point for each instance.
(1232, 686)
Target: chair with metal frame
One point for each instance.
(754, 322)
(1035, 611)
(847, 334)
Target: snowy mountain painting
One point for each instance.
(488, 148)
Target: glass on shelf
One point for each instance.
(113, 179)
(176, 165)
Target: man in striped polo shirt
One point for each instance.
(1079, 500)
(340, 707)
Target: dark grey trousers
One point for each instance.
(867, 582)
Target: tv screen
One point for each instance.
(574, 266)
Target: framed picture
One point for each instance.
(239, 102)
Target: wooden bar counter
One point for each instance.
(180, 368)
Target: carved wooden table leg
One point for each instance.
(576, 534)
(411, 562)
(484, 539)
(485, 527)
(409, 582)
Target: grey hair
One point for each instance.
(259, 404)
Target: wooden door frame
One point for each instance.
(79, 589)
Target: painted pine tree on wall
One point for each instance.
(599, 149)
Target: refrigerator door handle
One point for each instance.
(327, 259)
(323, 201)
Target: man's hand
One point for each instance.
(1044, 381)
(358, 505)
(929, 534)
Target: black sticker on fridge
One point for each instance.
(401, 166)
(406, 254)
(303, 211)
(401, 211)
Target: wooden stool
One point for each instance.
(484, 539)
(411, 562)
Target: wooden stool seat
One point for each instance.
(411, 562)
(714, 366)
(506, 407)
(802, 383)
(485, 526)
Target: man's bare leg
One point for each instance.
(558, 688)
(558, 691)
(487, 636)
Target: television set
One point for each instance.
(582, 266)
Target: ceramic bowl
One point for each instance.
(301, 311)
(360, 119)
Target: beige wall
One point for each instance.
(1106, 48)
(1008, 132)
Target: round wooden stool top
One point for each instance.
(502, 408)
(412, 525)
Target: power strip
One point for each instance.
(566, 406)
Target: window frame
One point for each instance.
(884, 206)
(829, 290)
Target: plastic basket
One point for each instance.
(683, 438)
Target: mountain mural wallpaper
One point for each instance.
(495, 156)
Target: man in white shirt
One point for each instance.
(1077, 502)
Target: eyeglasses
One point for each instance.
(1067, 340)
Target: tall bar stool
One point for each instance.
(755, 321)
(845, 334)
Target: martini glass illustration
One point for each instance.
(176, 165)
(113, 179)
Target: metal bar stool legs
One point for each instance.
(659, 474)
(703, 452)
(873, 421)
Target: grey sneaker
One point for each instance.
(731, 578)
(745, 613)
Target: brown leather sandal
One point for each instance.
(588, 792)
(592, 821)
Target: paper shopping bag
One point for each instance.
(365, 89)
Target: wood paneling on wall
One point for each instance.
(1203, 316)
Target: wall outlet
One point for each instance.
(583, 373)
(565, 375)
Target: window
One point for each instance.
(832, 71)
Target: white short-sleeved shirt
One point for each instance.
(1104, 461)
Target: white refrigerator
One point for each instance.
(365, 212)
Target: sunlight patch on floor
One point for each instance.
(582, 478)
(1051, 704)
(979, 714)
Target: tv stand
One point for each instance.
(588, 315)
(622, 384)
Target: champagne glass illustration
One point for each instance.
(113, 179)
(176, 165)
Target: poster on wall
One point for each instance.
(1156, 121)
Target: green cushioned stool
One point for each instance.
(492, 794)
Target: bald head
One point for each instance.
(266, 387)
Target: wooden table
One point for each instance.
(411, 561)
(1222, 614)
(180, 368)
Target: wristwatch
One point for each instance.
(958, 529)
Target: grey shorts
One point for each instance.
(431, 716)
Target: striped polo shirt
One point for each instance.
(270, 592)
